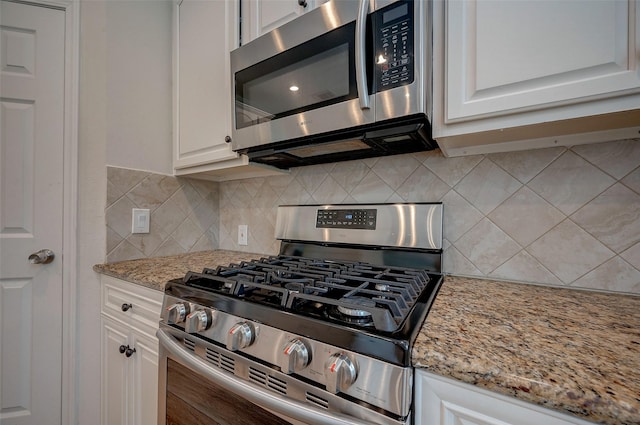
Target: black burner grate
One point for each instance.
(350, 293)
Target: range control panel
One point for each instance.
(394, 48)
(347, 219)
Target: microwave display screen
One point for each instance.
(396, 13)
(394, 47)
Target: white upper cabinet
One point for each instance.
(203, 84)
(502, 64)
(204, 34)
(261, 16)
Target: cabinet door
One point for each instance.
(115, 372)
(504, 56)
(441, 401)
(205, 33)
(262, 16)
(145, 380)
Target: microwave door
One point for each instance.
(313, 88)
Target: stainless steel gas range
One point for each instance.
(320, 334)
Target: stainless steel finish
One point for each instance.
(349, 377)
(398, 102)
(394, 228)
(392, 391)
(340, 373)
(197, 321)
(361, 68)
(176, 313)
(294, 357)
(44, 256)
(241, 335)
(335, 117)
(295, 405)
(329, 16)
(415, 97)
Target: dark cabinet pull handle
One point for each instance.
(227, 139)
(127, 351)
(126, 307)
(302, 3)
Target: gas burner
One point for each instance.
(383, 287)
(352, 306)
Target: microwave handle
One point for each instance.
(361, 46)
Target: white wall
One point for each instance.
(137, 90)
(125, 120)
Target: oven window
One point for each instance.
(193, 400)
(317, 73)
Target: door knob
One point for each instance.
(44, 256)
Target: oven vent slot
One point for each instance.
(268, 381)
(318, 401)
(220, 360)
(277, 385)
(191, 345)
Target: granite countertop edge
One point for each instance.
(574, 351)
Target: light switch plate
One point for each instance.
(140, 218)
(243, 229)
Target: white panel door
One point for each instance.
(145, 380)
(204, 84)
(115, 373)
(262, 16)
(31, 201)
(513, 56)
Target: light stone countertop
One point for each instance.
(570, 350)
(155, 272)
(574, 351)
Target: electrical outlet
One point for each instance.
(243, 231)
(140, 220)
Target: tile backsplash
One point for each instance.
(562, 216)
(184, 214)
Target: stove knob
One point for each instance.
(241, 335)
(176, 313)
(294, 357)
(199, 320)
(340, 373)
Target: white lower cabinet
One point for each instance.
(442, 401)
(129, 389)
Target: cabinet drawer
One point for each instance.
(141, 305)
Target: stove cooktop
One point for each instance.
(376, 310)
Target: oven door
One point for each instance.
(191, 391)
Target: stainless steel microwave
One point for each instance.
(350, 79)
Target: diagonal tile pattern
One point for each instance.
(184, 214)
(559, 216)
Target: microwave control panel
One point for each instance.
(347, 219)
(394, 47)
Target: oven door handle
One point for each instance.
(254, 393)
